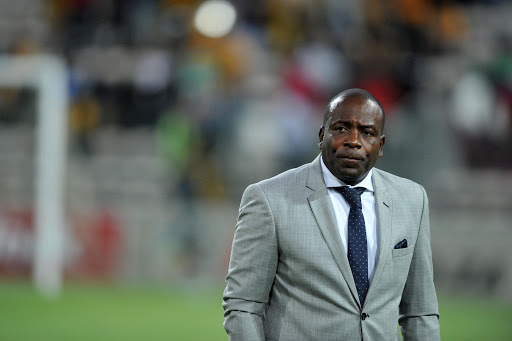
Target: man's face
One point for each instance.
(351, 140)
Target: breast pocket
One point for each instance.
(403, 252)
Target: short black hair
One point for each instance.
(354, 92)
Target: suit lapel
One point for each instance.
(383, 205)
(321, 206)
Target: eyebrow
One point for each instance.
(372, 126)
(368, 126)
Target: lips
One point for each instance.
(350, 157)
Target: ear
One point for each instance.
(320, 137)
(382, 142)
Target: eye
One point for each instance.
(340, 128)
(368, 132)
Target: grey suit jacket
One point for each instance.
(289, 276)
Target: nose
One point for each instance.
(352, 139)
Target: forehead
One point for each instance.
(364, 110)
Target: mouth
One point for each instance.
(351, 157)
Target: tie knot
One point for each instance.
(352, 195)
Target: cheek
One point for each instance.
(333, 142)
(372, 153)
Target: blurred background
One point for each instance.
(170, 108)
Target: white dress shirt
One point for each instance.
(342, 209)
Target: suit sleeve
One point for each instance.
(252, 268)
(419, 314)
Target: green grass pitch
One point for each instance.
(103, 312)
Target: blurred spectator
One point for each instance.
(317, 70)
(84, 119)
(481, 126)
(501, 76)
(18, 104)
(152, 78)
(178, 141)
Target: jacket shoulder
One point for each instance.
(290, 183)
(287, 179)
(395, 183)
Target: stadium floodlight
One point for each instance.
(215, 18)
(47, 75)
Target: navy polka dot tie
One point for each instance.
(357, 248)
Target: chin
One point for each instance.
(350, 175)
(349, 178)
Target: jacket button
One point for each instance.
(364, 316)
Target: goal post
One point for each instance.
(47, 75)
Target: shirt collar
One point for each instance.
(332, 181)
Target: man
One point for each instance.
(335, 249)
